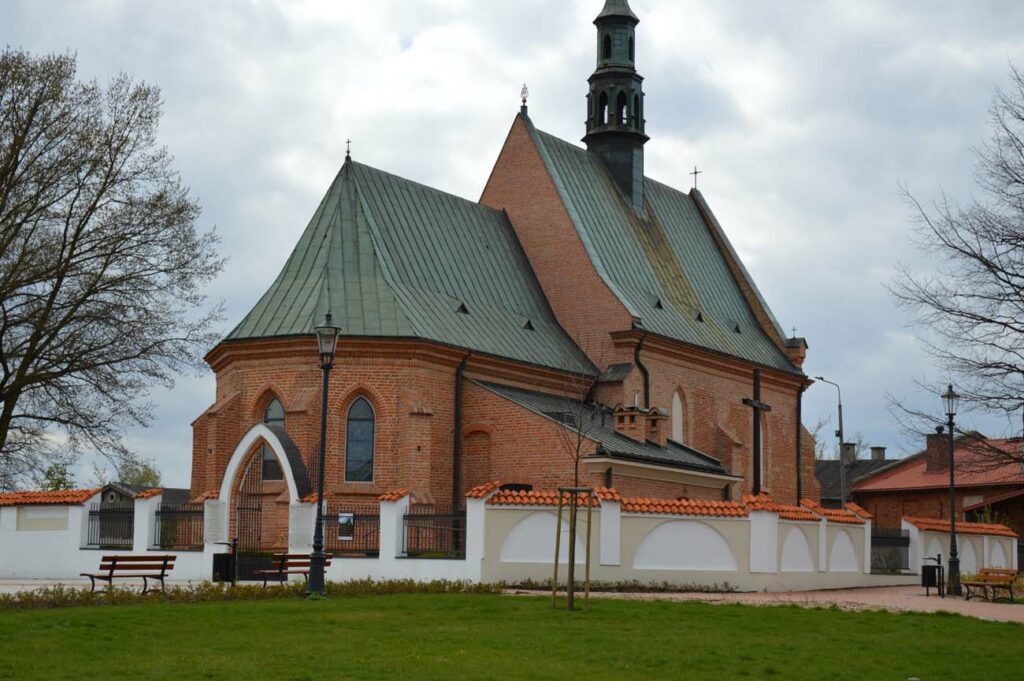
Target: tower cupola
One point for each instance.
(615, 103)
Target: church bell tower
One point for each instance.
(615, 104)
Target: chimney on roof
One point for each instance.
(848, 452)
(796, 350)
(878, 453)
(936, 451)
(657, 427)
(631, 421)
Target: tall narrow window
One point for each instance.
(620, 109)
(677, 418)
(273, 415)
(606, 50)
(602, 109)
(631, 55)
(359, 442)
(636, 111)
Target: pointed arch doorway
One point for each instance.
(260, 505)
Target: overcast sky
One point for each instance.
(806, 117)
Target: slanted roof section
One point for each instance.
(393, 258)
(827, 472)
(600, 427)
(666, 267)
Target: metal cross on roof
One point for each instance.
(348, 148)
(695, 173)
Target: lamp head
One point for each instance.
(951, 401)
(327, 341)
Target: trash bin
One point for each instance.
(933, 577)
(223, 567)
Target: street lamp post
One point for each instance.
(327, 341)
(951, 400)
(839, 434)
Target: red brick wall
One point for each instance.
(889, 507)
(583, 303)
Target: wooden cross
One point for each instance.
(695, 173)
(758, 406)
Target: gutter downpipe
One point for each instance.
(799, 441)
(643, 370)
(457, 434)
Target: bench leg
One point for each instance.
(145, 585)
(93, 589)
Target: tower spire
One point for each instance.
(615, 103)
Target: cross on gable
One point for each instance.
(758, 406)
(695, 173)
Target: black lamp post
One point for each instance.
(839, 434)
(327, 340)
(951, 400)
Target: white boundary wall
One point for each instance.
(515, 543)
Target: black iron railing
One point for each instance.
(111, 526)
(435, 531)
(179, 526)
(352, 530)
(890, 549)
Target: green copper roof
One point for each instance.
(616, 8)
(665, 267)
(392, 258)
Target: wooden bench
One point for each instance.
(132, 567)
(991, 579)
(284, 564)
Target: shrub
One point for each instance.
(208, 592)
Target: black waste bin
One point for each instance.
(933, 576)
(223, 567)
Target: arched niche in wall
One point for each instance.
(935, 549)
(796, 552)
(998, 557)
(685, 545)
(842, 557)
(532, 540)
(968, 557)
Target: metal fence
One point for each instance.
(111, 526)
(179, 527)
(435, 531)
(890, 549)
(352, 530)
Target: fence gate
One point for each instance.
(249, 520)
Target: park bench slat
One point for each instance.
(283, 564)
(144, 567)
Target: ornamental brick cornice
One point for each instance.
(676, 350)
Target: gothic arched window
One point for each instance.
(602, 109)
(620, 109)
(678, 429)
(273, 415)
(606, 50)
(636, 111)
(359, 442)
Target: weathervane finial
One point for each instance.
(523, 94)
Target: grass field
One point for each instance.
(472, 636)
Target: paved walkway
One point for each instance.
(894, 598)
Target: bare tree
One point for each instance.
(102, 268)
(580, 419)
(970, 311)
(820, 442)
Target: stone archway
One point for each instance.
(259, 513)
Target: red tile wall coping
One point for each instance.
(834, 515)
(933, 525)
(62, 497)
(481, 491)
(763, 502)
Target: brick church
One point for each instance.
(577, 295)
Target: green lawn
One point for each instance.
(470, 636)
